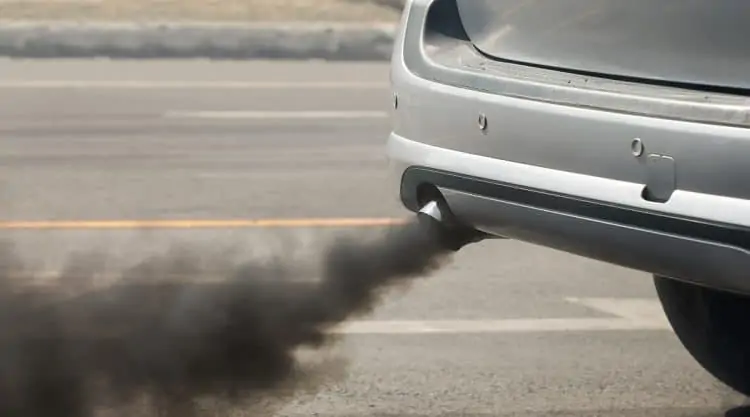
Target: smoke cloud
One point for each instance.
(175, 346)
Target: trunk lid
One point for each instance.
(700, 42)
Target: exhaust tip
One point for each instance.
(451, 234)
(432, 209)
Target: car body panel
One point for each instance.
(433, 45)
(529, 123)
(643, 248)
(575, 142)
(702, 42)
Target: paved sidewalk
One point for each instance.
(202, 10)
(351, 30)
(335, 42)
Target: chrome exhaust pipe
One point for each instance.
(450, 233)
(432, 209)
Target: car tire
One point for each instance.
(714, 327)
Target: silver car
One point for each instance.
(612, 129)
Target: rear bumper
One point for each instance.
(560, 171)
(694, 250)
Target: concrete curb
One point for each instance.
(327, 41)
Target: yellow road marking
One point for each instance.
(199, 224)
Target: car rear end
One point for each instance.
(616, 130)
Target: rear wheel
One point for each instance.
(714, 326)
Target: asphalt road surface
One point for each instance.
(130, 158)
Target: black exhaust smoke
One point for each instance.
(176, 346)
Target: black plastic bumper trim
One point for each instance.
(731, 235)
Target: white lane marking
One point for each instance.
(157, 85)
(284, 115)
(496, 326)
(632, 314)
(641, 310)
